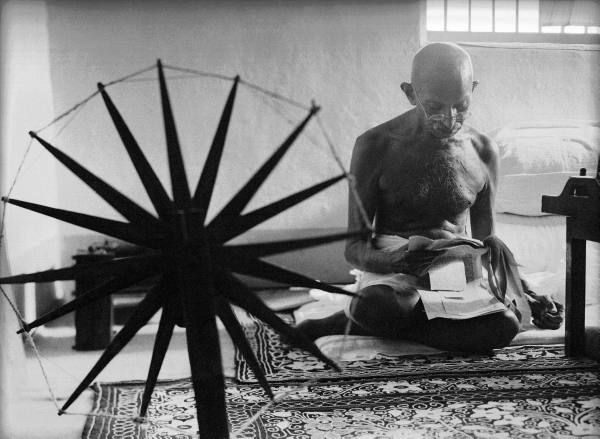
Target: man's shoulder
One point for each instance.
(484, 145)
(382, 136)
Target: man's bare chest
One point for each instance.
(440, 180)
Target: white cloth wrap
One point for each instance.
(399, 281)
(386, 243)
(394, 280)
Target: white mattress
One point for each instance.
(357, 348)
(537, 159)
(539, 246)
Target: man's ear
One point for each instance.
(409, 92)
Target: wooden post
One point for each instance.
(575, 293)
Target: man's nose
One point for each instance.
(448, 121)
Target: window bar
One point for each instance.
(517, 16)
(493, 15)
(470, 5)
(445, 15)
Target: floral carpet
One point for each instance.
(538, 404)
(282, 363)
(518, 392)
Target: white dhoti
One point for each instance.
(458, 288)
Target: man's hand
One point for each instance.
(416, 262)
(546, 313)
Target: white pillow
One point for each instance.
(537, 160)
(521, 194)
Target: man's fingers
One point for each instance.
(549, 304)
(553, 316)
(551, 319)
(546, 324)
(551, 325)
(547, 314)
(537, 308)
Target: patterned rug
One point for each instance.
(282, 363)
(518, 392)
(546, 403)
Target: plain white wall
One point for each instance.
(29, 243)
(534, 83)
(32, 241)
(349, 56)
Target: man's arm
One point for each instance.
(367, 160)
(547, 314)
(482, 211)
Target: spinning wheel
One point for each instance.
(195, 263)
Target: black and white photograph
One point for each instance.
(310, 219)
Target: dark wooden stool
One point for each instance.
(94, 322)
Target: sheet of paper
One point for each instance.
(475, 300)
(448, 277)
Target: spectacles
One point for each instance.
(459, 117)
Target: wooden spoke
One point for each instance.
(266, 270)
(204, 352)
(117, 229)
(241, 199)
(130, 210)
(240, 295)
(229, 227)
(208, 177)
(238, 337)
(161, 344)
(101, 290)
(154, 188)
(179, 183)
(101, 267)
(143, 312)
(261, 249)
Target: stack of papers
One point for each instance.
(474, 300)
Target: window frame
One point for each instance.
(505, 37)
(512, 37)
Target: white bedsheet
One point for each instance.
(356, 347)
(539, 246)
(537, 159)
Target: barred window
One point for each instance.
(514, 20)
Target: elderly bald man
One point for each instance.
(422, 173)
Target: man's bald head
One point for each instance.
(441, 86)
(441, 65)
